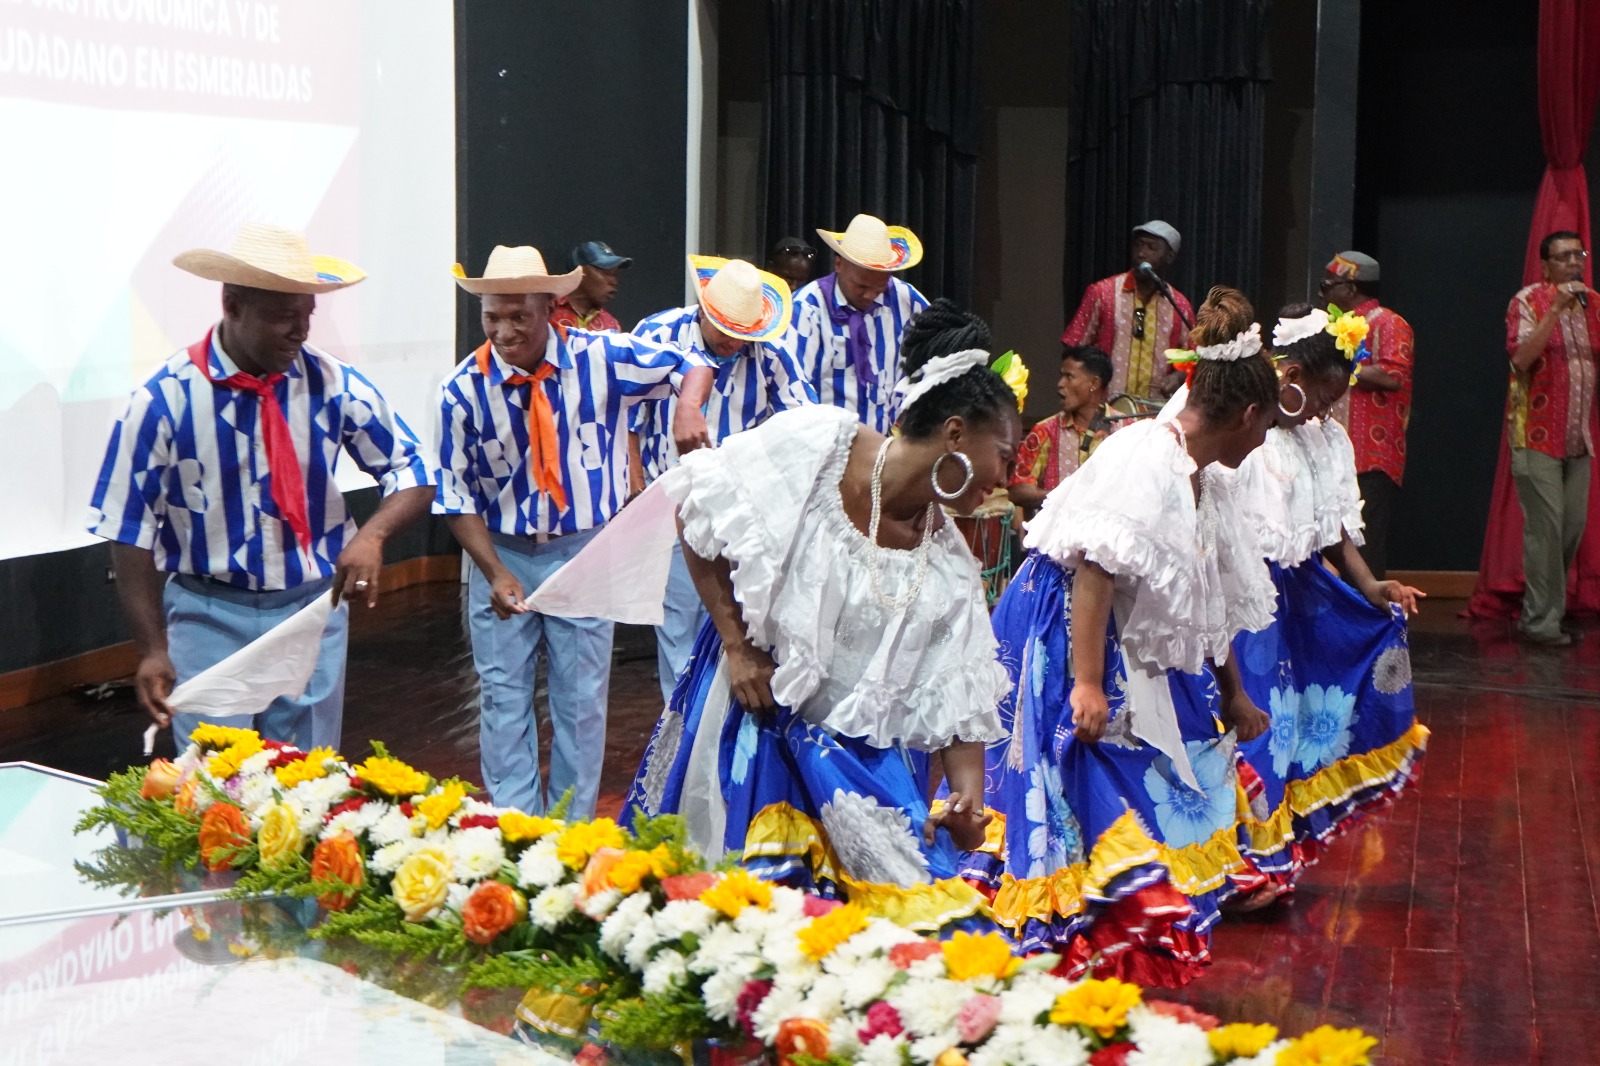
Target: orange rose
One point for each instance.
(491, 909)
(222, 829)
(801, 1036)
(595, 879)
(337, 862)
(184, 801)
(160, 780)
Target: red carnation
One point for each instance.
(749, 1001)
(480, 821)
(1112, 1055)
(816, 906)
(407, 809)
(903, 955)
(882, 1020)
(687, 886)
(344, 808)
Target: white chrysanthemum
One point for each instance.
(877, 938)
(620, 924)
(720, 994)
(553, 906)
(1055, 1045)
(318, 795)
(720, 947)
(788, 904)
(456, 897)
(1165, 1041)
(1267, 1056)
(392, 827)
(928, 1048)
(883, 1050)
(1006, 1046)
(873, 842)
(825, 1000)
(359, 821)
(756, 922)
(1029, 996)
(931, 968)
(256, 794)
(680, 917)
(599, 905)
(665, 972)
(865, 981)
(645, 939)
(256, 765)
(477, 853)
(387, 859)
(781, 948)
(470, 807)
(782, 1002)
(189, 760)
(930, 1006)
(539, 868)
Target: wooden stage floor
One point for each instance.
(1459, 928)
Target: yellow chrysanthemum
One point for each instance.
(735, 891)
(302, 770)
(518, 827)
(1240, 1040)
(1348, 330)
(580, 841)
(629, 872)
(1328, 1046)
(822, 934)
(216, 737)
(1099, 1005)
(987, 955)
(438, 807)
(225, 763)
(392, 777)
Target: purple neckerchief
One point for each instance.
(857, 346)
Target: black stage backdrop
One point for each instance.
(871, 107)
(1167, 108)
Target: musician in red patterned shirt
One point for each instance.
(1552, 329)
(1377, 409)
(585, 306)
(1053, 449)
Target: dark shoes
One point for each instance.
(1559, 639)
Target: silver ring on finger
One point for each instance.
(361, 584)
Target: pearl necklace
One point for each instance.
(1205, 508)
(893, 604)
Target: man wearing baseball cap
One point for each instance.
(585, 306)
(738, 327)
(218, 495)
(1377, 409)
(1128, 317)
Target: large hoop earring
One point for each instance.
(966, 483)
(1298, 410)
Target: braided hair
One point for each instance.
(1318, 355)
(1222, 390)
(979, 396)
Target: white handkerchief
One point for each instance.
(277, 663)
(622, 573)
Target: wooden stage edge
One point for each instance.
(1440, 584)
(20, 687)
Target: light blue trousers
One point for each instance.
(682, 616)
(208, 621)
(506, 654)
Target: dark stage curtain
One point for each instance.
(871, 106)
(1167, 109)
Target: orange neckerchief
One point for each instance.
(542, 447)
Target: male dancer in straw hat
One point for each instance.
(533, 457)
(217, 489)
(739, 326)
(848, 323)
(1127, 317)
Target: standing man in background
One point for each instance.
(1552, 329)
(1377, 409)
(793, 260)
(217, 490)
(585, 306)
(738, 327)
(1127, 317)
(847, 324)
(532, 439)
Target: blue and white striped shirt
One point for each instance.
(821, 349)
(757, 381)
(186, 475)
(483, 438)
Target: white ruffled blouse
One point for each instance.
(1298, 491)
(1188, 575)
(768, 501)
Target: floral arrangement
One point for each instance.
(623, 940)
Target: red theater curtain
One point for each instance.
(1569, 85)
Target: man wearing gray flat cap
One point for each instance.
(1128, 317)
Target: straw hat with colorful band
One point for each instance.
(271, 258)
(512, 271)
(867, 242)
(740, 300)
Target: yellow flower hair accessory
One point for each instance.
(1014, 372)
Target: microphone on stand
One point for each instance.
(1148, 273)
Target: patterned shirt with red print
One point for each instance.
(597, 321)
(1376, 419)
(1109, 316)
(1547, 408)
(1052, 452)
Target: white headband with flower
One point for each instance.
(1293, 330)
(936, 372)
(1244, 345)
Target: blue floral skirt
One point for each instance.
(1334, 673)
(800, 804)
(1109, 858)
